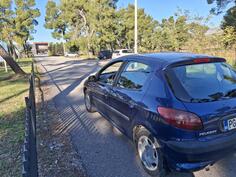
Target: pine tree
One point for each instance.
(16, 26)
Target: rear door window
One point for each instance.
(134, 75)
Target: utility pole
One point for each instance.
(136, 26)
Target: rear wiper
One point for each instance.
(217, 95)
(231, 93)
(214, 97)
(204, 100)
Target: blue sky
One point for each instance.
(158, 9)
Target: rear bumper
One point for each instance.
(199, 147)
(194, 155)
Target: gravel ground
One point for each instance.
(56, 156)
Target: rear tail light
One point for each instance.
(201, 60)
(180, 119)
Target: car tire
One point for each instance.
(153, 165)
(88, 102)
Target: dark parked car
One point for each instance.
(105, 54)
(178, 108)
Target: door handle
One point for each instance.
(113, 93)
(131, 105)
(106, 96)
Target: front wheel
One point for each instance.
(149, 153)
(88, 103)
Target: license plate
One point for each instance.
(229, 124)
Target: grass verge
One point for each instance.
(13, 89)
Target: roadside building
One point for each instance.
(40, 48)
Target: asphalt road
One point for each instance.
(104, 151)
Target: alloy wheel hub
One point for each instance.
(148, 153)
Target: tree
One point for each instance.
(229, 37)
(7, 26)
(198, 39)
(6, 32)
(12, 63)
(105, 36)
(182, 31)
(229, 21)
(168, 40)
(16, 26)
(56, 49)
(54, 20)
(220, 5)
(230, 18)
(77, 21)
(25, 21)
(172, 33)
(125, 29)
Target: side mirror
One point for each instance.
(92, 78)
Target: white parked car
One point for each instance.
(71, 54)
(121, 52)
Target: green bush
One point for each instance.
(56, 49)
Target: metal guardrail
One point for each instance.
(30, 162)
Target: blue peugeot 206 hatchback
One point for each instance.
(178, 108)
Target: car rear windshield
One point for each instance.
(202, 82)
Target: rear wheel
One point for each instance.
(88, 103)
(149, 153)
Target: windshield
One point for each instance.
(202, 82)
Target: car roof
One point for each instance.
(167, 58)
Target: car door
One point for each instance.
(105, 80)
(127, 93)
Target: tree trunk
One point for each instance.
(118, 42)
(13, 51)
(26, 51)
(89, 49)
(111, 46)
(10, 61)
(9, 48)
